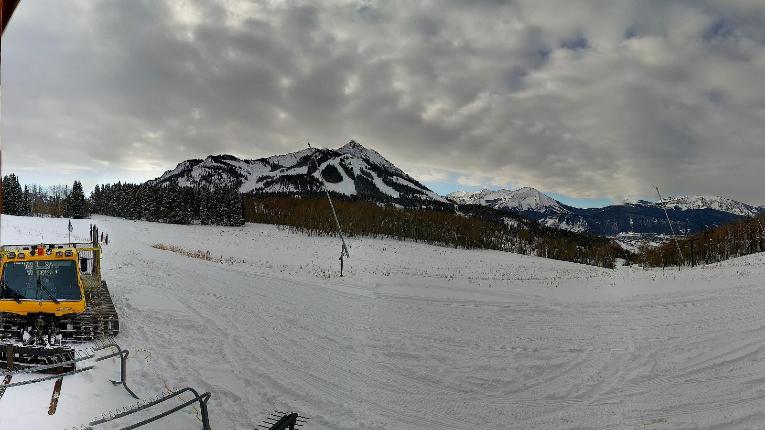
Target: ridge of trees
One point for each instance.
(471, 226)
(170, 203)
(727, 241)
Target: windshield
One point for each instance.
(29, 280)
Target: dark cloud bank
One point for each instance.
(583, 98)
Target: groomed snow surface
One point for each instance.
(413, 337)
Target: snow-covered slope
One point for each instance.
(413, 337)
(722, 204)
(352, 170)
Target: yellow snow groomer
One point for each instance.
(36, 280)
(51, 295)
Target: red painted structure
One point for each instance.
(6, 10)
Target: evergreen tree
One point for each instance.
(169, 203)
(77, 201)
(177, 212)
(204, 205)
(219, 206)
(13, 196)
(27, 199)
(236, 207)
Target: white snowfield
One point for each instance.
(414, 336)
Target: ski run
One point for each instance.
(413, 337)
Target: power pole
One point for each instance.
(679, 252)
(344, 249)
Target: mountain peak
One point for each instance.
(351, 170)
(358, 150)
(351, 146)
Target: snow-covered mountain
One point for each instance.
(528, 202)
(688, 213)
(520, 200)
(722, 204)
(352, 170)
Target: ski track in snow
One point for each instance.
(415, 336)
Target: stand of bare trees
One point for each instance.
(710, 246)
(470, 227)
(45, 201)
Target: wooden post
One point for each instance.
(9, 356)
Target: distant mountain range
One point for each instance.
(688, 213)
(362, 173)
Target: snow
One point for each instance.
(634, 241)
(426, 192)
(383, 187)
(578, 226)
(414, 336)
(357, 150)
(346, 186)
(522, 199)
(291, 158)
(723, 204)
(510, 222)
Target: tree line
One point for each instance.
(710, 246)
(170, 203)
(167, 203)
(34, 200)
(469, 227)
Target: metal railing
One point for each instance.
(121, 353)
(202, 399)
(281, 420)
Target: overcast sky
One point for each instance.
(588, 100)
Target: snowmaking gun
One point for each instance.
(52, 297)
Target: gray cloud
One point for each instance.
(592, 99)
